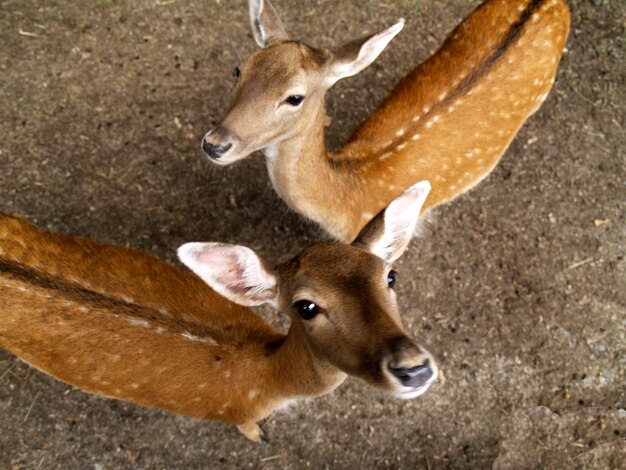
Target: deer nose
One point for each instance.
(414, 376)
(215, 151)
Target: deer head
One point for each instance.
(340, 297)
(280, 88)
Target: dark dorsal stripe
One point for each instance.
(81, 294)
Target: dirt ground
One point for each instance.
(518, 288)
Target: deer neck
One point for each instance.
(296, 357)
(308, 178)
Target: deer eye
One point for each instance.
(306, 309)
(236, 73)
(295, 100)
(391, 278)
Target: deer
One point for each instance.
(448, 121)
(120, 323)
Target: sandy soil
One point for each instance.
(517, 287)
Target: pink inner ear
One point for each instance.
(405, 210)
(401, 209)
(223, 263)
(407, 207)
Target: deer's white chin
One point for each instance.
(411, 393)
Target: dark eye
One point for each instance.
(306, 309)
(391, 278)
(295, 100)
(236, 72)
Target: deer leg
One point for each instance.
(252, 431)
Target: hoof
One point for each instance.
(253, 432)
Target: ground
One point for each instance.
(518, 287)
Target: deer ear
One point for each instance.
(388, 234)
(266, 24)
(354, 56)
(233, 271)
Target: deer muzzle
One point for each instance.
(219, 144)
(410, 369)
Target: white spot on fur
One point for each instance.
(190, 337)
(134, 385)
(401, 146)
(386, 155)
(252, 393)
(416, 118)
(400, 133)
(138, 322)
(425, 109)
(164, 312)
(367, 215)
(415, 137)
(227, 374)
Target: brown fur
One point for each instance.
(448, 121)
(120, 323)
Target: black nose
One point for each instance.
(415, 376)
(215, 151)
